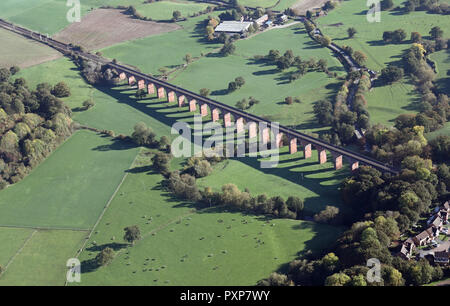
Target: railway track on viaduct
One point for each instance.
(146, 81)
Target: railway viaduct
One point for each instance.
(231, 116)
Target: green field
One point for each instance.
(442, 60)
(369, 37)
(265, 82)
(71, 187)
(11, 240)
(173, 243)
(316, 184)
(162, 10)
(21, 52)
(42, 261)
(386, 102)
(164, 50)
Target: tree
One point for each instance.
(4, 74)
(328, 215)
(337, 279)
(359, 57)
(61, 90)
(227, 49)
(232, 86)
(386, 4)
(416, 37)
(323, 40)
(140, 93)
(240, 81)
(351, 32)
(14, 69)
(105, 257)
(436, 32)
(88, 104)
(242, 104)
(399, 35)
(323, 111)
(295, 204)
(204, 92)
(143, 135)
(391, 74)
(276, 279)
(132, 234)
(176, 15)
(188, 58)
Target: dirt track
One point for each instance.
(105, 27)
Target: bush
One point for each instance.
(88, 104)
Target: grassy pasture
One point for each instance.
(42, 261)
(162, 10)
(11, 239)
(386, 102)
(442, 61)
(352, 13)
(316, 184)
(164, 50)
(265, 82)
(182, 245)
(71, 187)
(16, 50)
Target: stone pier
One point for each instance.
(192, 105)
(181, 101)
(307, 150)
(265, 135)
(252, 129)
(279, 140)
(204, 110)
(215, 114)
(122, 76)
(161, 93)
(322, 154)
(337, 161)
(240, 125)
(227, 119)
(171, 96)
(131, 80)
(141, 84)
(293, 146)
(354, 165)
(150, 89)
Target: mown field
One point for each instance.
(181, 246)
(386, 102)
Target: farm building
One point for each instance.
(261, 20)
(233, 27)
